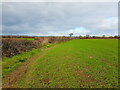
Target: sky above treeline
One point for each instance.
(60, 18)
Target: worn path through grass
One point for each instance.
(10, 80)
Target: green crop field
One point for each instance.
(80, 63)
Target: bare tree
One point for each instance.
(103, 36)
(94, 36)
(87, 36)
(115, 36)
(71, 34)
(80, 36)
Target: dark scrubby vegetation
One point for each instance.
(17, 36)
(14, 45)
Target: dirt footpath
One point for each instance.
(11, 79)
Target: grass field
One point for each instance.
(10, 64)
(89, 63)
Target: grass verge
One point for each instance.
(10, 64)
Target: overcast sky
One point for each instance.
(100, 18)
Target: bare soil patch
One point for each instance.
(87, 77)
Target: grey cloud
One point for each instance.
(59, 18)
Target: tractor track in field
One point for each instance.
(11, 79)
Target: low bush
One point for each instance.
(12, 47)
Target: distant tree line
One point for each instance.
(70, 35)
(95, 37)
(98, 37)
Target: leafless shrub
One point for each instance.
(11, 47)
